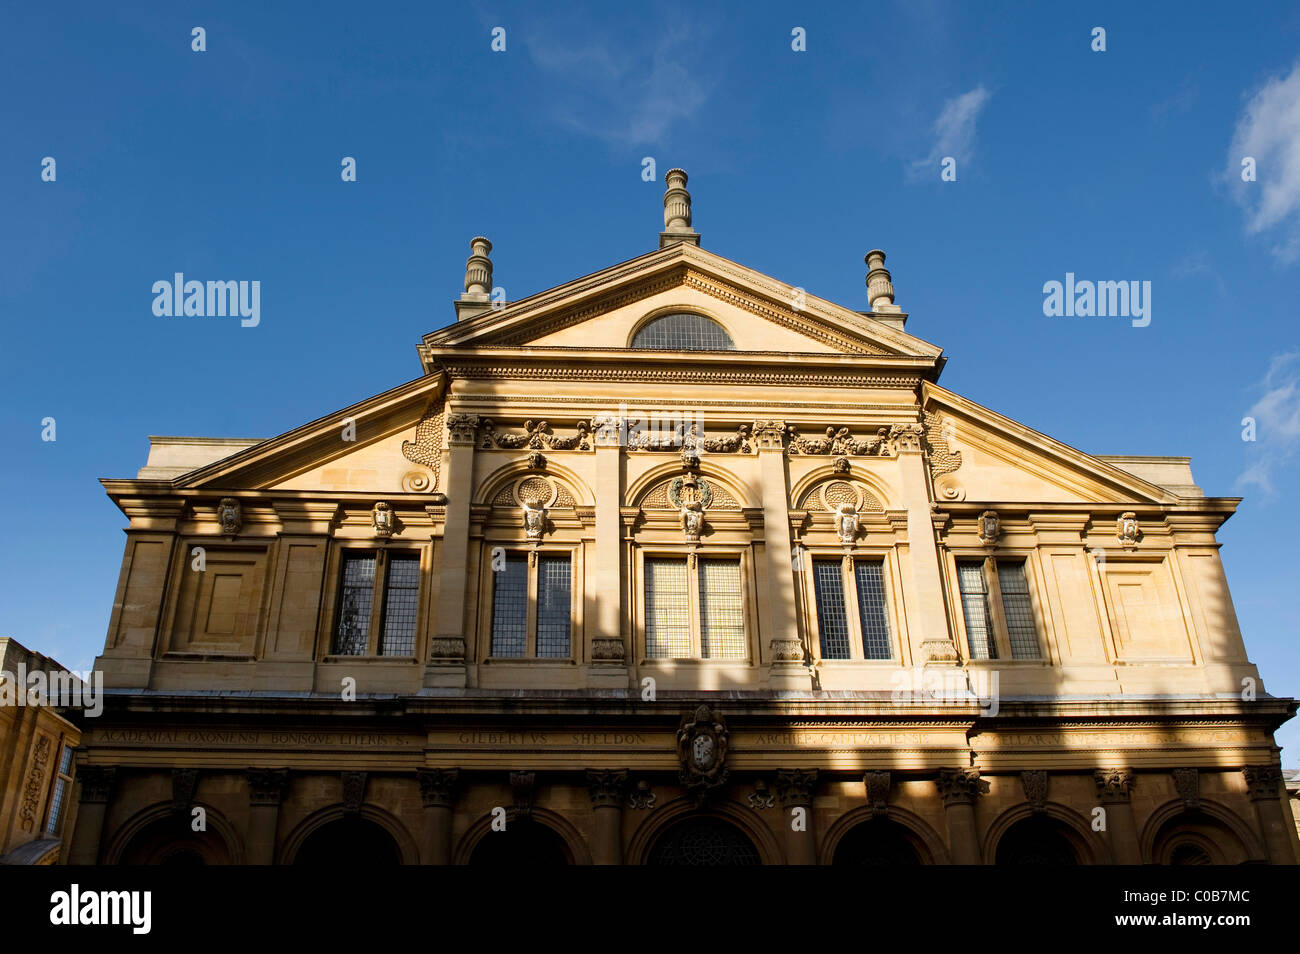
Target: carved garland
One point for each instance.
(537, 435)
(839, 443)
(35, 784)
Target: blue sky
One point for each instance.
(1115, 165)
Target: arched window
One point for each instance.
(704, 841)
(683, 332)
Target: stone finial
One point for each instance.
(478, 280)
(880, 290)
(478, 269)
(677, 211)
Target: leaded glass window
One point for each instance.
(553, 606)
(832, 621)
(1018, 610)
(975, 610)
(62, 781)
(683, 332)
(356, 599)
(667, 610)
(401, 600)
(839, 586)
(510, 607)
(695, 609)
(532, 606)
(722, 624)
(870, 579)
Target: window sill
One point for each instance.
(694, 661)
(531, 660)
(209, 654)
(337, 658)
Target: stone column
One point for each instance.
(266, 789)
(795, 788)
(1114, 788)
(960, 788)
(606, 787)
(1266, 791)
(608, 649)
(447, 654)
(438, 790)
(929, 635)
(96, 792)
(785, 651)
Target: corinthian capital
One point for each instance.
(961, 786)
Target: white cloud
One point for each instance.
(634, 98)
(954, 132)
(1277, 424)
(1269, 132)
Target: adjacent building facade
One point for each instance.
(674, 563)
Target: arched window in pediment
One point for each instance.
(683, 331)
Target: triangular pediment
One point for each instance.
(601, 311)
(980, 455)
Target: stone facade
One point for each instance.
(1042, 663)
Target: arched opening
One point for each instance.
(1197, 838)
(170, 841)
(1036, 841)
(352, 841)
(704, 841)
(876, 842)
(523, 842)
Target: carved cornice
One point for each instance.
(683, 373)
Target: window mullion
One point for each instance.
(530, 646)
(693, 599)
(857, 649)
(996, 611)
(377, 604)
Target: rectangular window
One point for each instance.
(832, 620)
(870, 580)
(510, 607)
(554, 604)
(356, 599)
(62, 782)
(839, 585)
(975, 609)
(532, 606)
(1018, 610)
(722, 624)
(667, 609)
(401, 600)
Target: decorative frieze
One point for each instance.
(840, 443)
(34, 789)
(538, 435)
